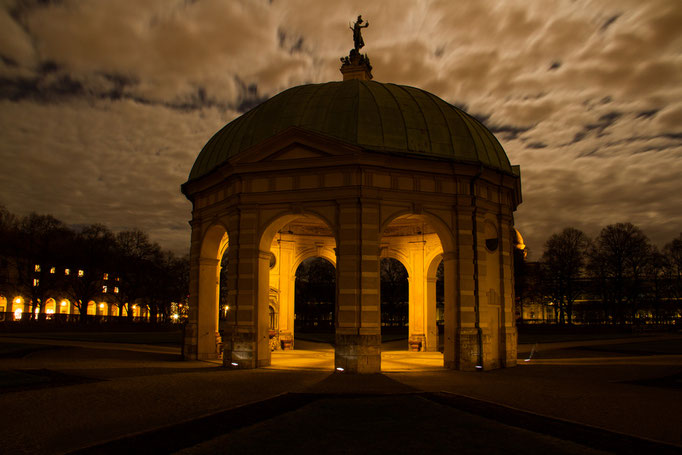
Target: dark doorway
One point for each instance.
(315, 299)
(394, 299)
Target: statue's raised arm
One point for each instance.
(357, 33)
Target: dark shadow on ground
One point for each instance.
(19, 380)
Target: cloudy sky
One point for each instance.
(105, 104)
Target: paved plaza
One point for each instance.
(595, 396)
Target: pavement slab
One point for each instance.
(67, 395)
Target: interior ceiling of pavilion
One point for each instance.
(106, 104)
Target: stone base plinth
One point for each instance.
(510, 337)
(240, 351)
(189, 342)
(286, 340)
(416, 343)
(358, 353)
(466, 351)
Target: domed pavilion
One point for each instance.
(354, 171)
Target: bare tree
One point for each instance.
(315, 291)
(673, 270)
(38, 248)
(394, 291)
(169, 283)
(132, 267)
(563, 263)
(8, 241)
(673, 254)
(90, 259)
(618, 259)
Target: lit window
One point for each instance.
(118, 279)
(106, 276)
(53, 270)
(115, 290)
(37, 268)
(81, 273)
(36, 282)
(104, 289)
(67, 272)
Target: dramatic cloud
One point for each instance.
(104, 105)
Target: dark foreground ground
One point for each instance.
(131, 394)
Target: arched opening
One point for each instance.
(315, 300)
(223, 292)
(394, 304)
(5, 310)
(416, 240)
(63, 307)
(205, 340)
(435, 295)
(50, 307)
(297, 279)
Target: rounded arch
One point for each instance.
(324, 253)
(63, 305)
(314, 302)
(431, 256)
(50, 306)
(277, 222)
(433, 264)
(399, 256)
(442, 229)
(215, 241)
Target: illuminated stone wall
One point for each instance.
(301, 195)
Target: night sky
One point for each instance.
(104, 105)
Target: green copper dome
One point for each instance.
(380, 117)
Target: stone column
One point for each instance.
(486, 293)
(287, 292)
(358, 322)
(431, 326)
(508, 332)
(417, 299)
(207, 310)
(461, 347)
(190, 342)
(247, 344)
